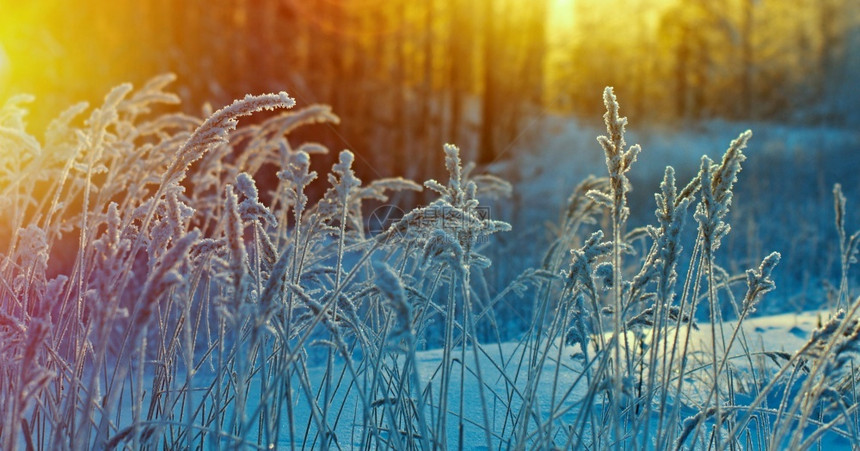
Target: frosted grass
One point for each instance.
(155, 296)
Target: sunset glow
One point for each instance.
(429, 225)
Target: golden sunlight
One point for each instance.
(675, 56)
(561, 14)
(4, 67)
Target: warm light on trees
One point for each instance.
(407, 76)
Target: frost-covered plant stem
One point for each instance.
(617, 327)
(848, 246)
(188, 358)
(738, 427)
(671, 212)
(342, 187)
(618, 161)
(691, 282)
(758, 283)
(442, 420)
(813, 383)
(299, 175)
(79, 306)
(716, 325)
(213, 131)
(716, 182)
(469, 326)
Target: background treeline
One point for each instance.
(406, 76)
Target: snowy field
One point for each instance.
(561, 385)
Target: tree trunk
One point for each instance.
(486, 146)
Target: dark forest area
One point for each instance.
(407, 76)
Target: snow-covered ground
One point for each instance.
(504, 380)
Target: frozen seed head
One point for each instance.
(829, 328)
(245, 185)
(827, 333)
(443, 247)
(215, 129)
(178, 213)
(580, 331)
(207, 246)
(614, 123)
(440, 215)
(298, 175)
(13, 111)
(759, 281)
(671, 211)
(388, 283)
(33, 247)
(454, 166)
(343, 183)
(667, 196)
(390, 286)
(580, 204)
(251, 209)
(726, 174)
(347, 181)
(619, 159)
(55, 288)
(273, 291)
(301, 159)
(603, 274)
(716, 182)
(708, 211)
(455, 193)
(233, 229)
(582, 259)
(839, 207)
